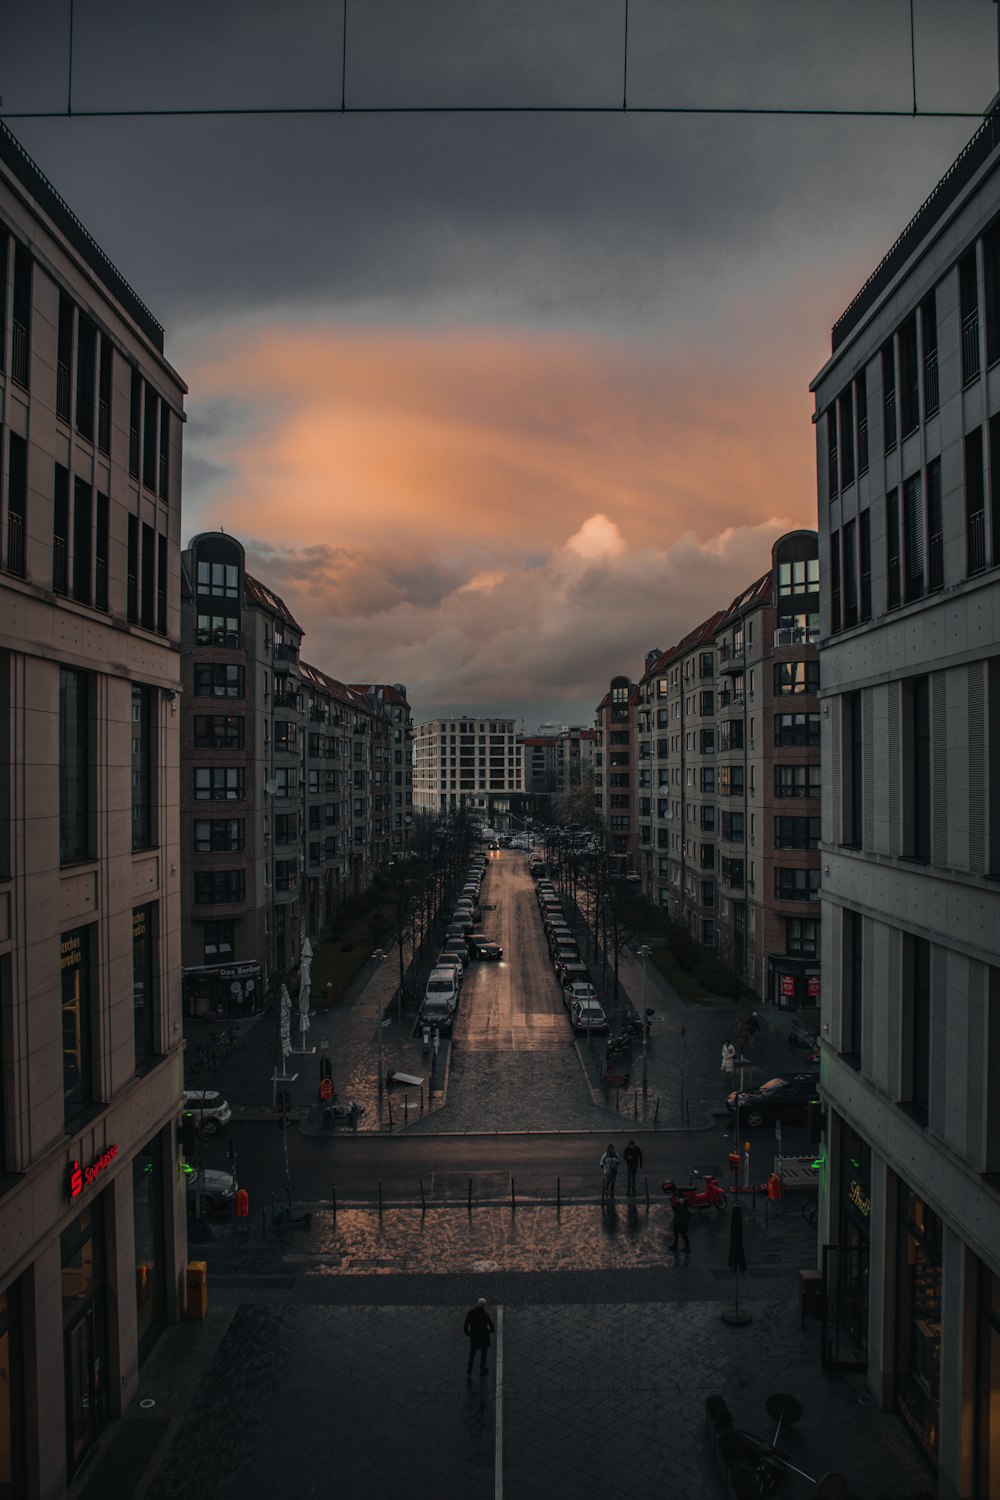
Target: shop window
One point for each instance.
(77, 960)
(77, 771)
(918, 1321)
(145, 981)
(144, 812)
(150, 1255)
(86, 1364)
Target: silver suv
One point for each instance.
(211, 1112)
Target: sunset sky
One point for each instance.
(497, 401)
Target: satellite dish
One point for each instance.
(271, 787)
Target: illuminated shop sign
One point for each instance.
(860, 1198)
(83, 1177)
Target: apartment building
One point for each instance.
(465, 763)
(908, 439)
(615, 732)
(538, 764)
(242, 725)
(392, 778)
(575, 748)
(92, 1214)
(728, 768)
(328, 709)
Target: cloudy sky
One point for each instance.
(497, 400)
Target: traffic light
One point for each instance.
(187, 1134)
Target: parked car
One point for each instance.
(211, 1112)
(216, 1190)
(450, 960)
(442, 984)
(564, 952)
(484, 947)
(572, 968)
(578, 989)
(783, 1098)
(437, 1014)
(588, 1015)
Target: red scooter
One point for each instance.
(711, 1195)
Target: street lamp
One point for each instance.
(380, 957)
(644, 953)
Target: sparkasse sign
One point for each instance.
(83, 1177)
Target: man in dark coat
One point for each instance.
(682, 1219)
(632, 1157)
(478, 1327)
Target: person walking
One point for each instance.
(478, 1327)
(682, 1222)
(609, 1166)
(632, 1157)
(728, 1060)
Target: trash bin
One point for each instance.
(197, 1289)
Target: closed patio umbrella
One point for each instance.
(738, 1265)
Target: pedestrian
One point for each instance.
(682, 1221)
(478, 1327)
(609, 1166)
(728, 1059)
(753, 1025)
(632, 1157)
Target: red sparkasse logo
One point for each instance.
(81, 1177)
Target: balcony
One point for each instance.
(15, 543)
(792, 635)
(286, 658)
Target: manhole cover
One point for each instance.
(145, 1405)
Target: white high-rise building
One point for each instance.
(464, 763)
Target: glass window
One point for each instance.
(218, 630)
(219, 731)
(145, 976)
(219, 680)
(76, 767)
(796, 781)
(796, 677)
(218, 887)
(796, 885)
(150, 1261)
(218, 941)
(219, 783)
(798, 577)
(796, 729)
(76, 963)
(218, 835)
(144, 821)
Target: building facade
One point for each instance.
(92, 1203)
(616, 726)
(908, 436)
(465, 763)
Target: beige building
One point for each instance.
(92, 1221)
(465, 763)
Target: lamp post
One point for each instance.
(644, 953)
(380, 957)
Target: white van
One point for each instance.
(440, 999)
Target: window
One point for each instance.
(145, 977)
(892, 551)
(144, 829)
(60, 531)
(132, 572)
(77, 786)
(218, 835)
(164, 477)
(796, 833)
(864, 564)
(287, 778)
(796, 729)
(861, 419)
(17, 503)
(105, 383)
(218, 887)
(221, 580)
(706, 702)
(708, 779)
(836, 592)
(5, 790)
(219, 731)
(732, 827)
(832, 452)
(20, 323)
(800, 577)
(218, 941)
(852, 970)
(286, 875)
(730, 781)
(916, 997)
(707, 741)
(968, 299)
(796, 885)
(286, 735)
(994, 459)
(802, 936)
(850, 574)
(935, 527)
(991, 291)
(161, 584)
(730, 735)
(147, 575)
(86, 362)
(83, 500)
(917, 768)
(913, 538)
(975, 503)
(929, 341)
(796, 677)
(909, 376)
(64, 353)
(134, 420)
(708, 893)
(708, 933)
(219, 680)
(102, 539)
(845, 404)
(218, 630)
(76, 961)
(708, 820)
(149, 451)
(218, 783)
(796, 781)
(888, 396)
(731, 872)
(853, 770)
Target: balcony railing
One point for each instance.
(975, 534)
(19, 354)
(60, 569)
(792, 635)
(62, 390)
(970, 346)
(15, 543)
(101, 583)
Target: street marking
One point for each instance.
(498, 1439)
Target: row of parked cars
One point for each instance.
(462, 943)
(579, 995)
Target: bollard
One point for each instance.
(423, 1200)
(421, 1098)
(470, 1195)
(646, 1181)
(333, 1197)
(390, 1112)
(656, 1111)
(558, 1195)
(513, 1203)
(635, 1105)
(380, 1197)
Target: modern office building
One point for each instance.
(908, 437)
(92, 1211)
(465, 763)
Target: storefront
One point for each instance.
(918, 1320)
(988, 1383)
(150, 1253)
(223, 991)
(846, 1261)
(85, 1332)
(793, 982)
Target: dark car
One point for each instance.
(783, 1098)
(484, 947)
(213, 1190)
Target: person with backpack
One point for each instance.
(632, 1157)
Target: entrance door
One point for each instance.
(845, 1307)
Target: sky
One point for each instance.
(498, 400)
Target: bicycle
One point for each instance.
(809, 1207)
(205, 1059)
